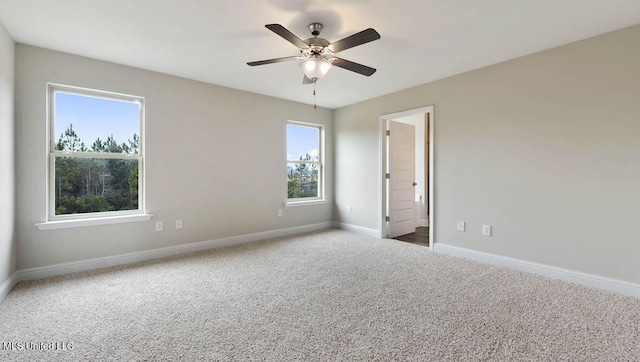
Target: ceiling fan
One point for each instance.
(317, 55)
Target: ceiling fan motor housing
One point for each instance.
(317, 44)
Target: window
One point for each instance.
(95, 153)
(304, 161)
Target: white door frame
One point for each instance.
(382, 190)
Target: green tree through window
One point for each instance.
(87, 185)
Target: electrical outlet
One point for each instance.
(486, 230)
(279, 212)
(159, 226)
(460, 225)
(349, 209)
(178, 224)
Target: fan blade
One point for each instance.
(353, 66)
(287, 35)
(306, 80)
(351, 41)
(271, 61)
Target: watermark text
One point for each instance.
(36, 346)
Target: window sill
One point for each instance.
(305, 203)
(65, 224)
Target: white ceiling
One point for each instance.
(211, 40)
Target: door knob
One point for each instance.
(415, 184)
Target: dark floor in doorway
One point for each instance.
(420, 237)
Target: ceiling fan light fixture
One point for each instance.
(315, 68)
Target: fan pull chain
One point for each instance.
(314, 95)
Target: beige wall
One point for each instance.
(7, 165)
(215, 158)
(545, 148)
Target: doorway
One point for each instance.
(406, 187)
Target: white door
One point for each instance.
(402, 172)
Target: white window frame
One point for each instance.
(320, 163)
(106, 217)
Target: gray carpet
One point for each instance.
(329, 295)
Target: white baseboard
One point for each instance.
(590, 280)
(104, 262)
(8, 284)
(357, 229)
(423, 222)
